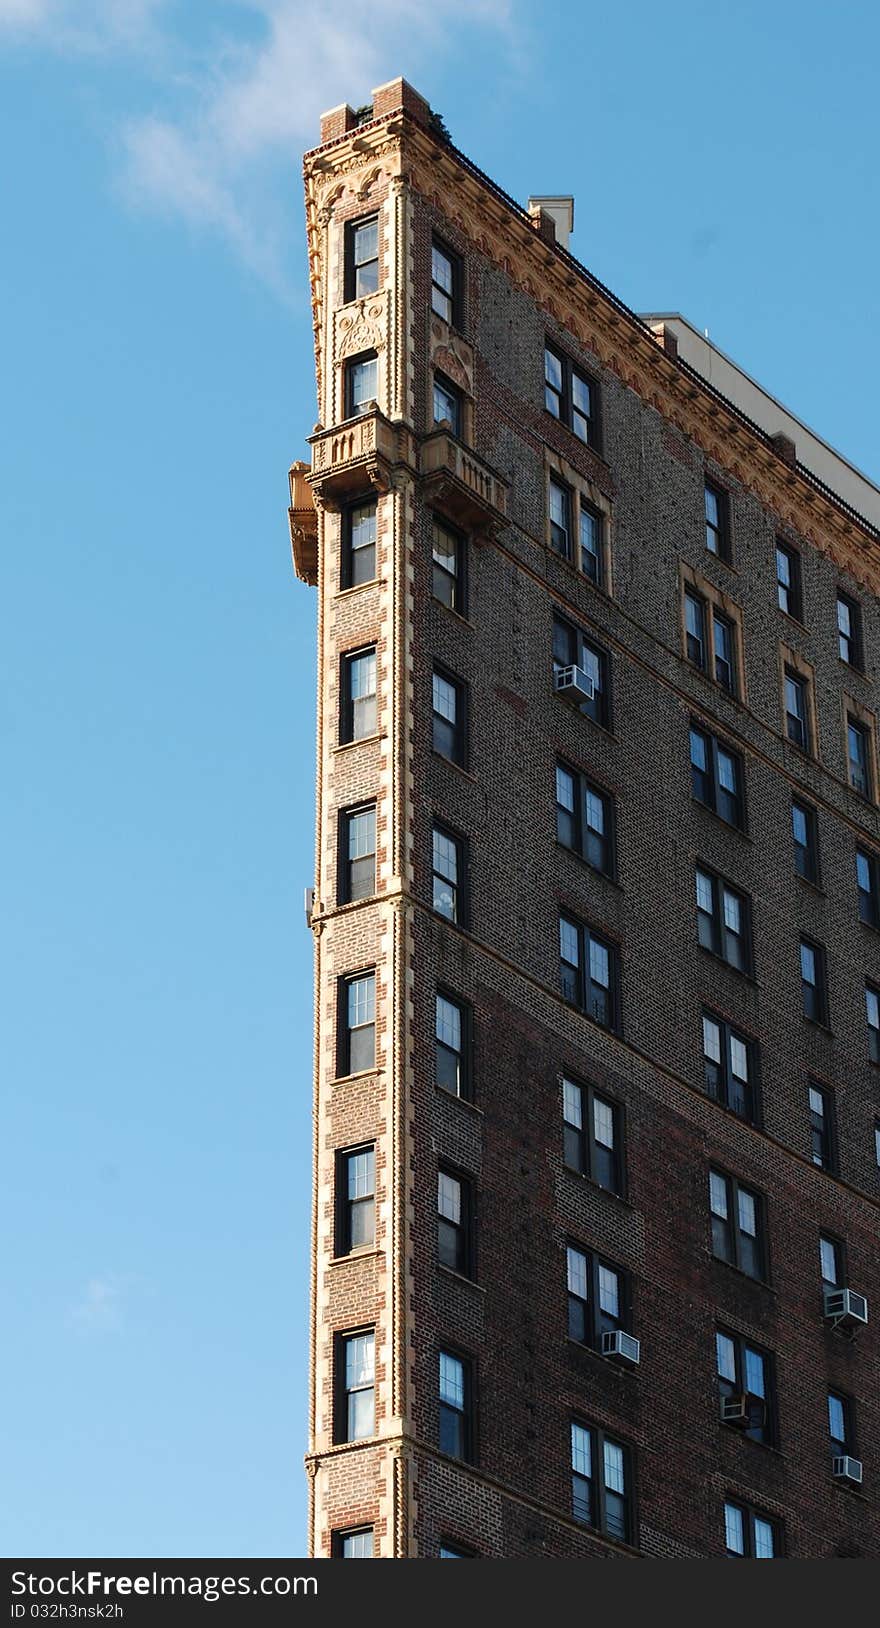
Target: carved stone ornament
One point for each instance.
(361, 326)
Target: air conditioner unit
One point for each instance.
(625, 1347)
(845, 1309)
(575, 683)
(743, 1410)
(847, 1469)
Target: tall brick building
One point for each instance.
(596, 905)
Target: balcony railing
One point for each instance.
(353, 457)
(470, 491)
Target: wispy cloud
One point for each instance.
(99, 1309)
(233, 109)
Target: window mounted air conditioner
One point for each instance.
(574, 683)
(625, 1347)
(847, 1469)
(744, 1411)
(845, 1309)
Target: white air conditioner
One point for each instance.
(845, 1309)
(575, 683)
(847, 1469)
(743, 1410)
(625, 1347)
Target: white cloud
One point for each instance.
(99, 1308)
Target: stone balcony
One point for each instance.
(469, 490)
(352, 458)
(303, 525)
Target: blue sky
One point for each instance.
(156, 700)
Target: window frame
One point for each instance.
(720, 529)
(348, 713)
(350, 553)
(457, 727)
(467, 1411)
(811, 871)
(465, 1065)
(869, 897)
(735, 1232)
(720, 932)
(459, 887)
(345, 1029)
(838, 1249)
(583, 1138)
(353, 265)
(599, 711)
(586, 937)
(455, 294)
(847, 1444)
(596, 1319)
(569, 413)
(582, 789)
(339, 1539)
(749, 1518)
(858, 726)
(441, 381)
(465, 1228)
(802, 687)
(347, 893)
(821, 1015)
(343, 1391)
(457, 600)
(855, 636)
(794, 587)
(766, 1434)
(872, 994)
(598, 1488)
(724, 1092)
(715, 746)
(350, 367)
(822, 1127)
(346, 1205)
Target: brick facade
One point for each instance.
(510, 1320)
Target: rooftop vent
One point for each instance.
(561, 212)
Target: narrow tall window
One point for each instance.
(560, 518)
(737, 1224)
(750, 1535)
(600, 1494)
(361, 384)
(447, 404)
(717, 777)
(357, 1398)
(814, 983)
(788, 580)
(456, 1432)
(730, 1068)
(585, 819)
(358, 853)
(840, 1423)
(592, 537)
(695, 625)
(359, 710)
(849, 631)
(822, 1136)
(448, 711)
(448, 566)
(830, 1262)
(358, 995)
(746, 1372)
(356, 1184)
(858, 756)
(448, 871)
(591, 1134)
(797, 717)
(597, 1297)
(723, 638)
(805, 835)
(867, 872)
(723, 920)
(451, 1046)
(588, 972)
(717, 528)
(445, 282)
(359, 545)
(872, 1013)
(362, 258)
(454, 1222)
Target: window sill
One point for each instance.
(362, 740)
(588, 446)
(364, 1074)
(606, 1028)
(765, 1446)
(814, 887)
(818, 1023)
(723, 559)
(852, 667)
(747, 977)
(457, 615)
(358, 587)
(582, 576)
(728, 824)
(459, 1277)
(366, 1253)
(796, 621)
(575, 707)
(860, 796)
(442, 758)
(581, 1176)
(760, 1283)
(464, 1102)
(588, 865)
(608, 1362)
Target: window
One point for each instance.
(717, 526)
(588, 972)
(788, 580)
(597, 1297)
(744, 1370)
(723, 924)
(877, 1142)
(354, 1545)
(737, 1224)
(356, 1189)
(717, 777)
(359, 708)
(358, 1001)
(814, 990)
(452, 1053)
(362, 257)
(729, 1067)
(456, 1423)
(448, 712)
(840, 1424)
(723, 638)
(867, 883)
(591, 1135)
(448, 566)
(572, 649)
(849, 631)
(592, 544)
(357, 853)
(823, 1151)
(448, 873)
(750, 1535)
(797, 714)
(454, 1223)
(560, 518)
(446, 281)
(858, 756)
(569, 396)
(359, 545)
(357, 1397)
(830, 1262)
(600, 1482)
(447, 404)
(449, 1551)
(805, 835)
(872, 1012)
(361, 384)
(695, 629)
(585, 819)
